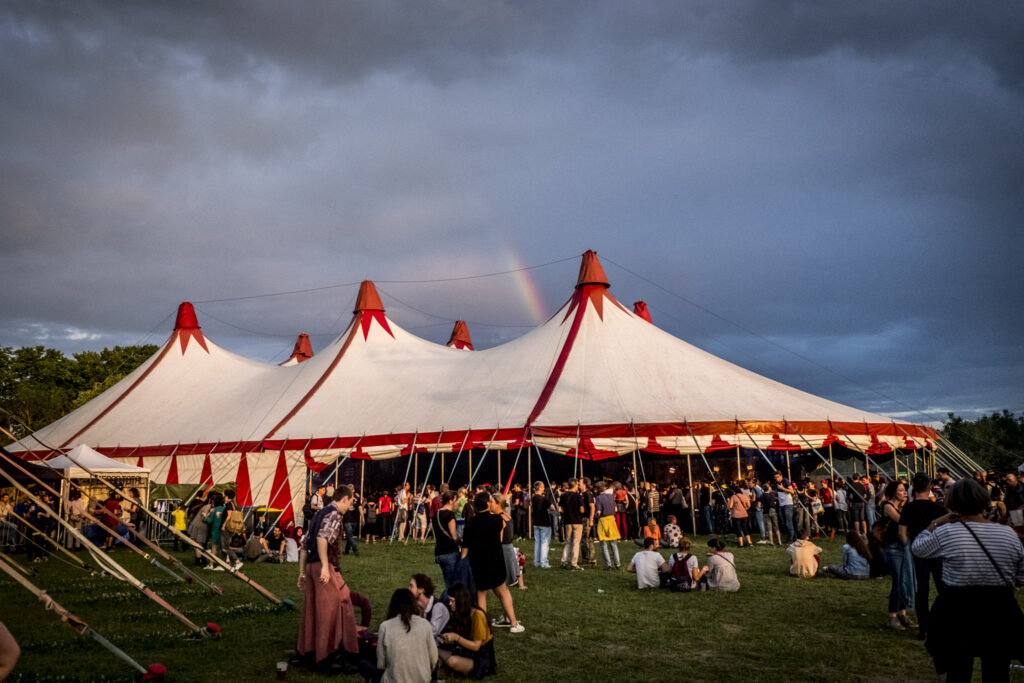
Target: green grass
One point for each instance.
(584, 626)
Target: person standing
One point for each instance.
(328, 622)
(540, 510)
(482, 545)
(896, 557)
(570, 507)
(915, 517)
(446, 546)
(784, 491)
(981, 563)
(351, 522)
(586, 541)
(1013, 499)
(739, 503)
(607, 526)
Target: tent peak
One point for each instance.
(186, 319)
(591, 272)
(368, 299)
(640, 309)
(460, 338)
(303, 350)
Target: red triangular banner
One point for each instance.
(243, 495)
(281, 494)
(172, 472)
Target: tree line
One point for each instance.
(995, 441)
(39, 385)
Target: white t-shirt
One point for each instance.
(840, 497)
(646, 563)
(691, 563)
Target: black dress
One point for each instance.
(483, 541)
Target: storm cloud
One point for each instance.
(828, 193)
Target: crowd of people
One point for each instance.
(961, 537)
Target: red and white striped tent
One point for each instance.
(596, 380)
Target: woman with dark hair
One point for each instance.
(406, 650)
(981, 564)
(719, 574)
(901, 565)
(482, 545)
(856, 562)
(468, 646)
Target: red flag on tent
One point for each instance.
(311, 463)
(780, 444)
(172, 472)
(139, 463)
(832, 439)
(718, 444)
(243, 495)
(281, 494)
(206, 476)
(878, 448)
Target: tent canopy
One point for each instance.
(75, 463)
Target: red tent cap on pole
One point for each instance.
(591, 272)
(460, 338)
(186, 319)
(640, 309)
(368, 299)
(303, 350)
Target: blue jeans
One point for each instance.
(709, 524)
(615, 552)
(901, 566)
(759, 518)
(541, 545)
(870, 510)
(786, 520)
(350, 539)
(447, 563)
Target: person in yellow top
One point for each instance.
(179, 524)
(468, 646)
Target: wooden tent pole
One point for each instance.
(693, 512)
(529, 483)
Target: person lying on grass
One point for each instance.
(719, 574)
(803, 556)
(649, 566)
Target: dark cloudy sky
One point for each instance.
(837, 186)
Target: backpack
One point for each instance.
(680, 578)
(235, 522)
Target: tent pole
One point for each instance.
(739, 472)
(789, 473)
(79, 626)
(529, 483)
(362, 492)
(442, 469)
(830, 467)
(499, 468)
(160, 521)
(693, 512)
(895, 465)
(415, 471)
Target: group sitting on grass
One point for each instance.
(682, 571)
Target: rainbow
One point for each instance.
(528, 290)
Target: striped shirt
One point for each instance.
(964, 563)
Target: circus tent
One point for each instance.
(595, 380)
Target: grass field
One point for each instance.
(584, 626)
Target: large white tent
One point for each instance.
(593, 381)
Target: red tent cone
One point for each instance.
(460, 338)
(303, 350)
(640, 309)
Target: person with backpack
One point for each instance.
(682, 568)
(770, 503)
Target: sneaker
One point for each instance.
(762, 542)
(895, 625)
(907, 621)
(518, 628)
(216, 568)
(238, 565)
(501, 622)
(577, 568)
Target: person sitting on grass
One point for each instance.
(683, 568)
(671, 534)
(719, 574)
(856, 559)
(649, 566)
(422, 588)
(406, 650)
(467, 647)
(651, 530)
(803, 556)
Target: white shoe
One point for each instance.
(518, 628)
(238, 565)
(216, 568)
